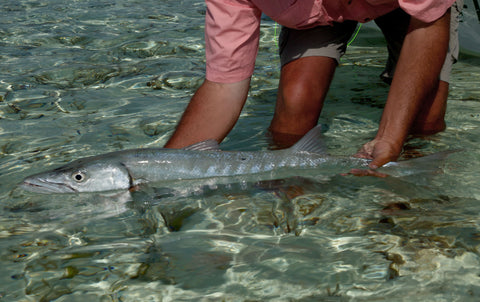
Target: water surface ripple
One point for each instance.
(80, 78)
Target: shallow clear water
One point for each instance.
(87, 77)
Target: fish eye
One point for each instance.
(79, 176)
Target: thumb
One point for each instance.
(379, 161)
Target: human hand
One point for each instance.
(380, 152)
(366, 172)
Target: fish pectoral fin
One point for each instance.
(207, 145)
(311, 142)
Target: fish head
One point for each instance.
(84, 175)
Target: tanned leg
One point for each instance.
(303, 86)
(431, 118)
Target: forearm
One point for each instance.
(211, 113)
(418, 68)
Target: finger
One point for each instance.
(362, 155)
(379, 161)
(363, 172)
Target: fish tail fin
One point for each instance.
(425, 164)
(311, 142)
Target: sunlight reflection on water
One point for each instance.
(87, 77)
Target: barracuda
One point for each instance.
(122, 170)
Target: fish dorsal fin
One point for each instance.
(310, 142)
(207, 145)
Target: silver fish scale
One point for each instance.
(151, 165)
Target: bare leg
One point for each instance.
(211, 113)
(431, 118)
(303, 86)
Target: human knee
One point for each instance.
(301, 96)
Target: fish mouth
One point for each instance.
(43, 186)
